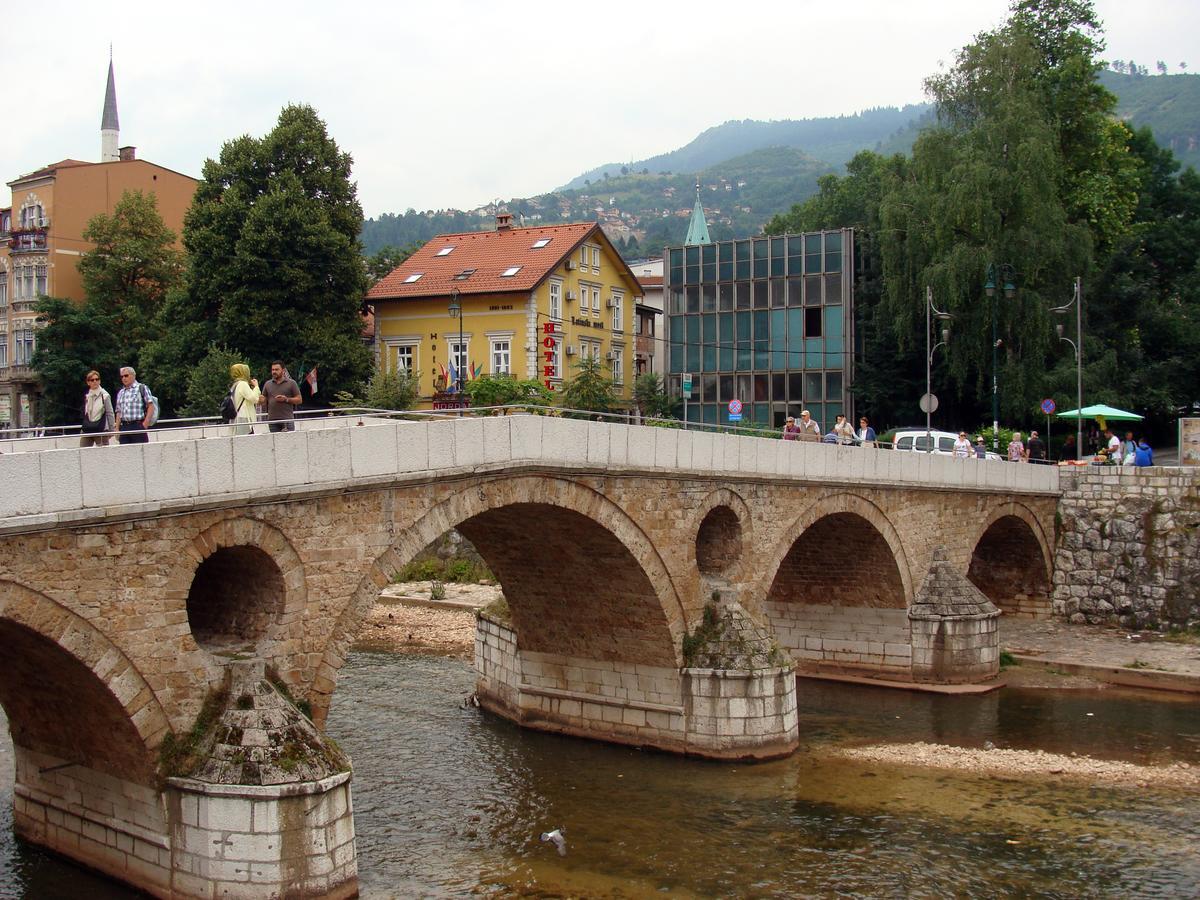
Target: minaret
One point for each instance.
(109, 126)
(697, 232)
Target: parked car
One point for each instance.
(917, 440)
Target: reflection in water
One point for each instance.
(451, 801)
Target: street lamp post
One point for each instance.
(456, 313)
(1077, 346)
(930, 309)
(1003, 273)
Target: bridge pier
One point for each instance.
(709, 712)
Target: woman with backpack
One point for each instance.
(243, 394)
(98, 416)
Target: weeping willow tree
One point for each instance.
(1025, 175)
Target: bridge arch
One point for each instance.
(580, 574)
(722, 526)
(856, 512)
(96, 711)
(1012, 560)
(244, 584)
(838, 595)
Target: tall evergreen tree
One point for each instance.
(276, 268)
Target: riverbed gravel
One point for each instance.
(1023, 763)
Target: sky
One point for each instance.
(459, 102)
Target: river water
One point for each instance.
(450, 802)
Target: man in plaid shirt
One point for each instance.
(133, 409)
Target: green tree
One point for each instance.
(209, 381)
(132, 267)
(276, 269)
(650, 396)
(126, 278)
(385, 390)
(502, 390)
(1024, 168)
(73, 339)
(591, 389)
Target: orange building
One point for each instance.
(41, 241)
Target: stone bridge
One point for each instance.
(134, 580)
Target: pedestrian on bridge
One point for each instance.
(135, 404)
(809, 429)
(245, 394)
(866, 434)
(281, 396)
(1016, 449)
(98, 415)
(843, 430)
(791, 431)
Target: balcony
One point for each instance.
(26, 240)
(18, 373)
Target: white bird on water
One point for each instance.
(556, 838)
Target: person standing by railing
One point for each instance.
(866, 434)
(134, 405)
(245, 395)
(809, 429)
(98, 416)
(281, 396)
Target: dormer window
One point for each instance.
(464, 274)
(415, 276)
(541, 242)
(510, 271)
(445, 251)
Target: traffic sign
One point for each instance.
(735, 417)
(929, 403)
(687, 385)
(735, 408)
(1048, 406)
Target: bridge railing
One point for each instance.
(361, 448)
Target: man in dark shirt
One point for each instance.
(1036, 448)
(281, 395)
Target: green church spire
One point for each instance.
(698, 226)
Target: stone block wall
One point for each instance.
(1128, 548)
(955, 651)
(732, 713)
(701, 712)
(241, 841)
(114, 826)
(852, 638)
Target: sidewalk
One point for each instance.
(1113, 655)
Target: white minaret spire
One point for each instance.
(109, 125)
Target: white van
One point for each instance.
(939, 442)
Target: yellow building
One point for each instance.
(533, 301)
(41, 242)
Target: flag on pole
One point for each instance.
(311, 378)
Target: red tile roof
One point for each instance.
(489, 253)
(650, 280)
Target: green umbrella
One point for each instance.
(1100, 412)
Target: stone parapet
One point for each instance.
(78, 486)
(702, 712)
(1128, 548)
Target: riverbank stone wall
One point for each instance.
(1128, 547)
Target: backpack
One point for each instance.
(151, 406)
(228, 410)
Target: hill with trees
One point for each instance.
(751, 171)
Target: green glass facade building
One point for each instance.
(768, 321)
